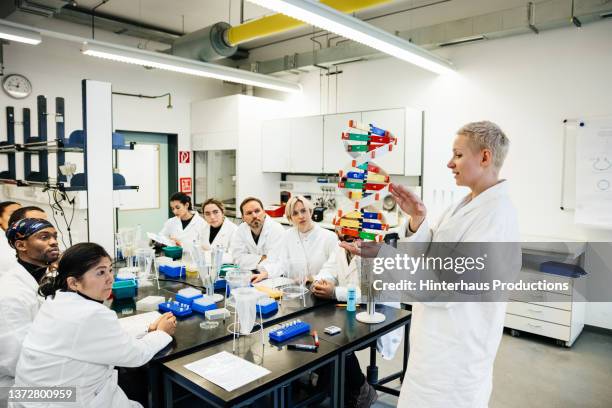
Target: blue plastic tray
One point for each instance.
(289, 330)
(187, 300)
(172, 271)
(562, 269)
(267, 310)
(201, 309)
(178, 309)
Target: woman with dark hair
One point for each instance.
(184, 228)
(218, 230)
(75, 340)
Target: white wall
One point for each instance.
(56, 68)
(527, 84)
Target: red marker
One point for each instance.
(316, 338)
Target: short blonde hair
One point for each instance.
(487, 135)
(293, 201)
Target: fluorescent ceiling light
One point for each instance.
(12, 32)
(319, 15)
(186, 66)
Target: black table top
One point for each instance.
(282, 362)
(189, 336)
(354, 331)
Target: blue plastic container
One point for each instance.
(124, 289)
(176, 308)
(187, 300)
(220, 284)
(267, 309)
(201, 305)
(173, 271)
(562, 269)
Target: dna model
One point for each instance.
(364, 183)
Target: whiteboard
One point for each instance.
(594, 173)
(140, 167)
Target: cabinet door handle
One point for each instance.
(535, 310)
(537, 326)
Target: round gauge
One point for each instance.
(17, 86)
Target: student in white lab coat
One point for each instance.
(35, 241)
(342, 270)
(7, 253)
(75, 340)
(453, 344)
(185, 227)
(305, 247)
(9, 257)
(255, 239)
(218, 230)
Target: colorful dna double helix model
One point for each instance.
(364, 183)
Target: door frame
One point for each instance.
(172, 158)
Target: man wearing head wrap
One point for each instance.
(8, 255)
(35, 241)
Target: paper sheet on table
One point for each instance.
(226, 370)
(274, 283)
(137, 325)
(161, 239)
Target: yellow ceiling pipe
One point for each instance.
(278, 23)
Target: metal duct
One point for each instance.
(206, 44)
(543, 15)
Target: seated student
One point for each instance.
(184, 228)
(8, 258)
(255, 238)
(76, 340)
(7, 253)
(35, 241)
(342, 270)
(306, 246)
(218, 230)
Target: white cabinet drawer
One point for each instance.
(531, 275)
(548, 299)
(538, 312)
(556, 331)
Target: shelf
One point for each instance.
(82, 188)
(125, 147)
(51, 146)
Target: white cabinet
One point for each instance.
(292, 145)
(313, 144)
(335, 156)
(306, 145)
(392, 120)
(276, 145)
(556, 314)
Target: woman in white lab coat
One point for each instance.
(453, 344)
(218, 230)
(305, 246)
(75, 340)
(186, 225)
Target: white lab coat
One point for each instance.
(342, 274)
(244, 250)
(19, 304)
(7, 254)
(173, 228)
(307, 252)
(77, 342)
(223, 238)
(453, 344)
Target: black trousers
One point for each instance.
(353, 375)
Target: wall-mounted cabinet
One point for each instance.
(313, 144)
(293, 145)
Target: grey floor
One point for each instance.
(532, 371)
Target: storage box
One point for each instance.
(173, 270)
(203, 304)
(188, 295)
(174, 252)
(124, 289)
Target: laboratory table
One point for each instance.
(286, 365)
(189, 337)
